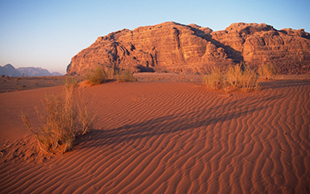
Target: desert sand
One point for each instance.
(167, 137)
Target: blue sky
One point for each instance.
(48, 33)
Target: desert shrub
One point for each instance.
(64, 117)
(125, 76)
(214, 79)
(234, 77)
(249, 80)
(268, 71)
(96, 76)
(110, 73)
(71, 82)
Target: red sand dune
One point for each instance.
(168, 137)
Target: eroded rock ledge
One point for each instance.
(191, 49)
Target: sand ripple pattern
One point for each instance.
(181, 138)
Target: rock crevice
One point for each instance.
(191, 49)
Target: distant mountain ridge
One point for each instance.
(36, 71)
(9, 70)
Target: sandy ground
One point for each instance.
(167, 137)
(12, 84)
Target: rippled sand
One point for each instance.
(168, 137)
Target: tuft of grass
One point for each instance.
(102, 74)
(111, 71)
(249, 80)
(235, 77)
(214, 79)
(96, 76)
(71, 82)
(268, 71)
(126, 76)
(64, 117)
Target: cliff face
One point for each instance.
(172, 47)
(260, 43)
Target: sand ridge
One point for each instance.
(168, 137)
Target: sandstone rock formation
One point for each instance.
(191, 49)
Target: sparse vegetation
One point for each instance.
(215, 79)
(235, 77)
(96, 76)
(101, 74)
(268, 71)
(249, 80)
(119, 74)
(112, 71)
(125, 76)
(64, 117)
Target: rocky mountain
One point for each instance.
(36, 71)
(56, 74)
(25, 71)
(9, 70)
(191, 49)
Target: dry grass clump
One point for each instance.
(125, 76)
(268, 71)
(64, 117)
(249, 80)
(111, 71)
(235, 77)
(96, 76)
(101, 74)
(215, 79)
